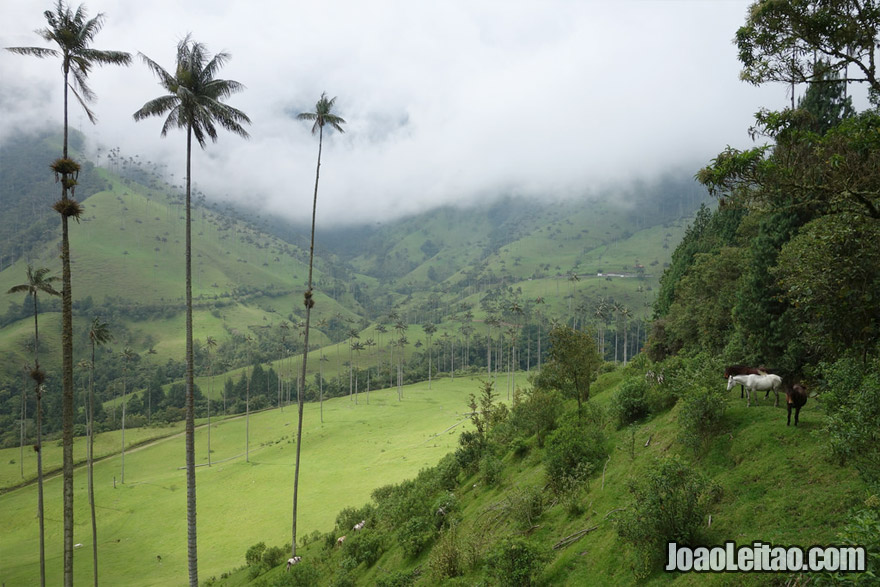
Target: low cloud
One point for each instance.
(445, 102)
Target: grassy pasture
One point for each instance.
(356, 449)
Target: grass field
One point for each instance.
(240, 502)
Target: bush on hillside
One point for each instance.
(669, 502)
(364, 546)
(573, 451)
(630, 403)
(516, 562)
(303, 574)
(537, 413)
(348, 517)
(702, 410)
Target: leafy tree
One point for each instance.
(194, 103)
(38, 281)
(797, 41)
(322, 115)
(572, 364)
(830, 274)
(99, 334)
(73, 33)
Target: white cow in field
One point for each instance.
(360, 525)
(292, 561)
(340, 540)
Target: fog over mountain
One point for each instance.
(445, 102)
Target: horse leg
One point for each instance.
(789, 417)
(797, 414)
(742, 391)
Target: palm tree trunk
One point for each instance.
(40, 484)
(309, 302)
(91, 459)
(191, 544)
(66, 370)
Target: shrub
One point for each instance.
(469, 451)
(364, 547)
(299, 575)
(537, 413)
(702, 410)
(862, 529)
(348, 517)
(274, 556)
(447, 559)
(525, 506)
(516, 562)
(398, 579)
(668, 504)
(490, 469)
(631, 402)
(574, 450)
(447, 472)
(254, 554)
(415, 534)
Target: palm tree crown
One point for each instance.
(194, 94)
(323, 115)
(73, 34)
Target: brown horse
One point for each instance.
(796, 397)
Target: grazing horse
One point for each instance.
(292, 561)
(340, 540)
(746, 370)
(360, 525)
(752, 383)
(796, 397)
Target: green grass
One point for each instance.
(356, 449)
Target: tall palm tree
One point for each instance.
(127, 356)
(430, 328)
(322, 115)
(210, 343)
(73, 33)
(99, 334)
(193, 103)
(38, 281)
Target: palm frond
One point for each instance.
(34, 51)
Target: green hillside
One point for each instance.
(769, 483)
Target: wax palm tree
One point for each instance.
(322, 115)
(369, 343)
(210, 343)
(38, 281)
(357, 347)
(430, 328)
(128, 356)
(193, 103)
(99, 334)
(73, 33)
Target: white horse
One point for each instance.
(752, 383)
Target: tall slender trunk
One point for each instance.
(191, 544)
(309, 302)
(123, 429)
(91, 460)
(66, 368)
(40, 483)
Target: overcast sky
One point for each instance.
(445, 101)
